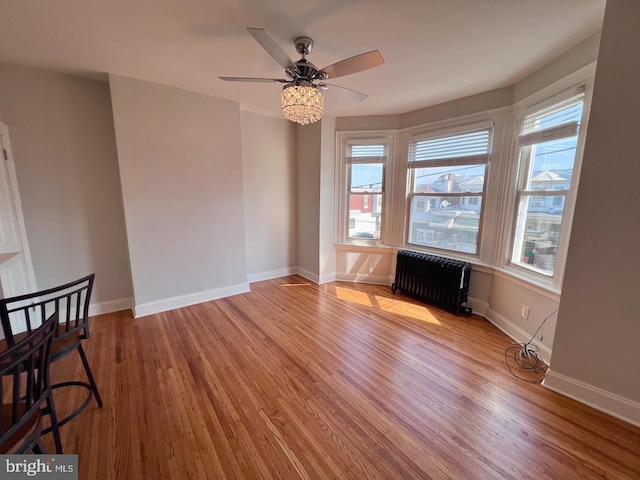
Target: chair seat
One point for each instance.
(63, 342)
(21, 435)
(69, 301)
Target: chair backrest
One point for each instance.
(24, 376)
(25, 313)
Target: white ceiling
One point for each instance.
(435, 50)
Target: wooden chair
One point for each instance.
(24, 376)
(24, 313)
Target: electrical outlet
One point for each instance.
(525, 312)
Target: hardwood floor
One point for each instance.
(297, 380)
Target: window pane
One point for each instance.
(450, 223)
(459, 179)
(552, 164)
(365, 215)
(366, 177)
(539, 221)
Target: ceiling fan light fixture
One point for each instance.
(302, 103)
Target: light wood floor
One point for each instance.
(296, 380)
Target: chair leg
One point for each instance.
(55, 430)
(87, 369)
(37, 448)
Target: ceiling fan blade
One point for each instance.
(267, 42)
(253, 79)
(352, 95)
(356, 64)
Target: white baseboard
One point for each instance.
(110, 306)
(261, 277)
(327, 278)
(479, 307)
(619, 407)
(285, 272)
(516, 332)
(180, 301)
(314, 277)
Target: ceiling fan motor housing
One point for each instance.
(305, 70)
(304, 45)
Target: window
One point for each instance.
(365, 173)
(547, 147)
(448, 172)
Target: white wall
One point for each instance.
(365, 264)
(595, 353)
(63, 142)
(181, 169)
(270, 204)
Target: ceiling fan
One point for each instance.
(303, 92)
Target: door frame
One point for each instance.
(6, 156)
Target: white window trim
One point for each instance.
(395, 213)
(343, 139)
(432, 132)
(551, 95)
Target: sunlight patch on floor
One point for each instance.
(349, 295)
(407, 309)
(390, 305)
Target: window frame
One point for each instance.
(523, 109)
(343, 167)
(438, 133)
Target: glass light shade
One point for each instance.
(302, 104)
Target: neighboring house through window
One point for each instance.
(365, 175)
(547, 153)
(448, 171)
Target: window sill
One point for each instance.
(365, 247)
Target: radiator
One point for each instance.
(441, 281)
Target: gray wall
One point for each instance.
(270, 205)
(598, 324)
(63, 142)
(327, 208)
(482, 102)
(308, 147)
(181, 169)
(582, 54)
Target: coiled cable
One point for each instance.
(523, 360)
